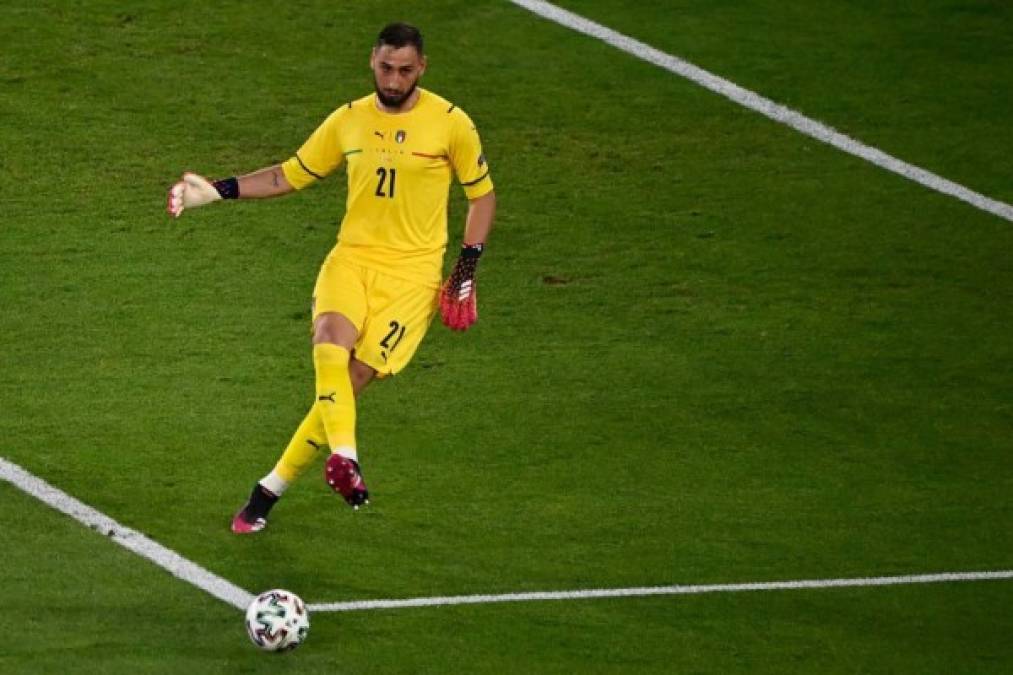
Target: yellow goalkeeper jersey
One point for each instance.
(399, 170)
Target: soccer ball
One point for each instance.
(277, 620)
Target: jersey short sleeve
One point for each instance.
(319, 156)
(467, 157)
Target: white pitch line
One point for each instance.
(659, 590)
(765, 106)
(130, 539)
(237, 597)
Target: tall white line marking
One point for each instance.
(765, 106)
(124, 536)
(660, 590)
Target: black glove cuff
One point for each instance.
(473, 251)
(464, 269)
(228, 188)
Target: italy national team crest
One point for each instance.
(400, 136)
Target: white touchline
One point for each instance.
(124, 536)
(765, 106)
(659, 590)
(237, 597)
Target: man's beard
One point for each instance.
(393, 101)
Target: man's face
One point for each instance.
(396, 71)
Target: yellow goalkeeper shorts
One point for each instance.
(391, 314)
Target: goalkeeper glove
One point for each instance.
(458, 306)
(193, 191)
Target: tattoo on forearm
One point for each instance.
(274, 178)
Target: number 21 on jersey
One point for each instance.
(386, 180)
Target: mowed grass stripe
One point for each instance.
(766, 107)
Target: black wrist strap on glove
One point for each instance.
(464, 269)
(228, 188)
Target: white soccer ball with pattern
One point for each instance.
(277, 620)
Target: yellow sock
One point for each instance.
(335, 399)
(302, 449)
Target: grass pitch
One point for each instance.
(710, 350)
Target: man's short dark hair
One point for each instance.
(398, 35)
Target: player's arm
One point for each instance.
(481, 213)
(268, 182)
(459, 295)
(317, 158)
(194, 190)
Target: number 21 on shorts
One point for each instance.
(397, 332)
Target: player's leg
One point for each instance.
(339, 307)
(334, 337)
(341, 470)
(310, 437)
(400, 313)
(304, 447)
(361, 375)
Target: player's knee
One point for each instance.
(334, 328)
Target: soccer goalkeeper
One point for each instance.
(379, 288)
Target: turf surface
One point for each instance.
(710, 350)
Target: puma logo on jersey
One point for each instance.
(378, 133)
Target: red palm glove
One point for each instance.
(458, 296)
